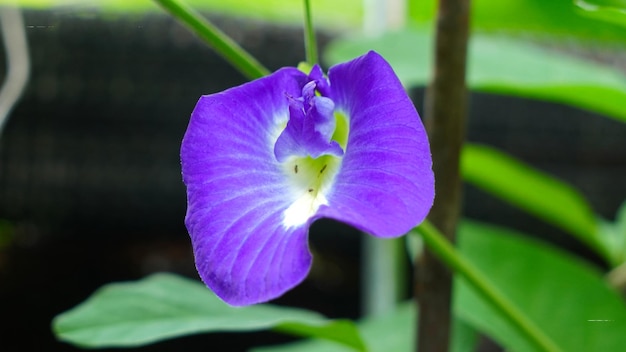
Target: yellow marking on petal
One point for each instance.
(310, 180)
(342, 128)
(309, 187)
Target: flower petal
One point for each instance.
(237, 192)
(310, 128)
(385, 185)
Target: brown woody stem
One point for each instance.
(445, 111)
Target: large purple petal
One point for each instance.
(385, 185)
(237, 192)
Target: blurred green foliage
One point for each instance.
(564, 295)
(560, 19)
(501, 65)
(534, 191)
(592, 5)
(328, 13)
(568, 298)
(164, 306)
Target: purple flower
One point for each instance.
(264, 160)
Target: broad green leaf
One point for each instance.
(611, 15)
(500, 65)
(566, 297)
(532, 190)
(595, 4)
(390, 332)
(506, 67)
(408, 51)
(557, 19)
(164, 306)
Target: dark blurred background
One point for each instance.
(90, 177)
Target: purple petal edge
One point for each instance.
(235, 191)
(386, 185)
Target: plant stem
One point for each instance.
(441, 247)
(444, 112)
(220, 42)
(310, 42)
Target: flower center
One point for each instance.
(310, 180)
(310, 149)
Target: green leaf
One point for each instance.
(566, 297)
(609, 15)
(342, 331)
(554, 18)
(500, 65)
(408, 51)
(164, 306)
(508, 67)
(595, 4)
(389, 332)
(532, 190)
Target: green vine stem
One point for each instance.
(442, 248)
(310, 43)
(220, 42)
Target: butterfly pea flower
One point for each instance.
(264, 160)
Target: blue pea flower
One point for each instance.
(264, 160)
